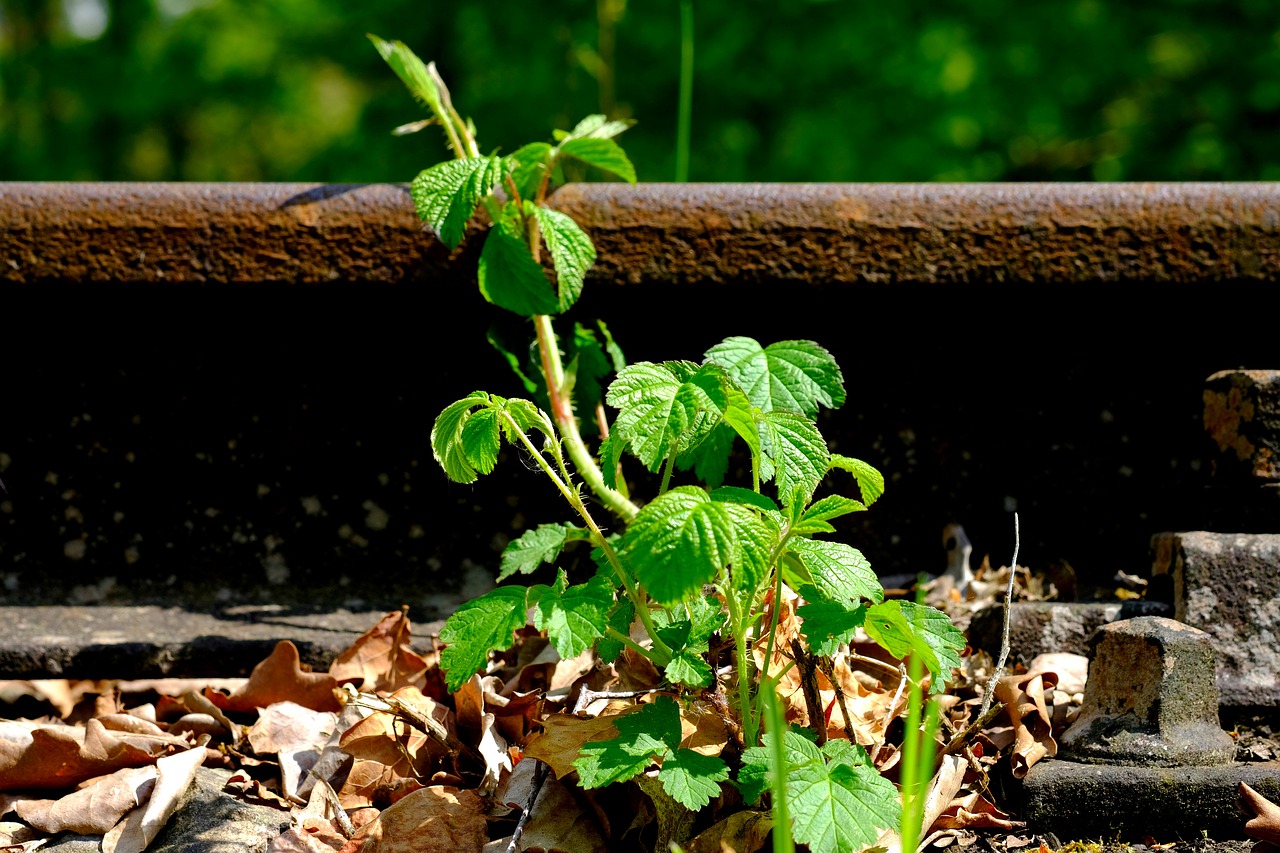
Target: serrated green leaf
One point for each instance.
(481, 439)
(526, 416)
(532, 548)
(755, 542)
(664, 406)
(604, 154)
(480, 626)
(526, 165)
(817, 515)
(597, 126)
(619, 620)
(739, 495)
(903, 627)
(574, 616)
(753, 777)
(870, 481)
(678, 542)
(828, 625)
(410, 69)
(688, 669)
(710, 457)
(796, 376)
(643, 736)
(572, 252)
(794, 453)
(592, 361)
(509, 276)
(610, 455)
(839, 572)
(836, 807)
(691, 778)
(447, 441)
(446, 194)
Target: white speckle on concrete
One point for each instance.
(311, 505)
(74, 549)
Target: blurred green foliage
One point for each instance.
(839, 90)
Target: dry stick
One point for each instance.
(829, 670)
(809, 683)
(539, 777)
(586, 696)
(889, 714)
(1008, 606)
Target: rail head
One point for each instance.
(691, 234)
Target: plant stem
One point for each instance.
(666, 472)
(685, 117)
(562, 411)
(782, 842)
(635, 590)
(746, 666)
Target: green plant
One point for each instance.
(698, 560)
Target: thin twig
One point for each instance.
(335, 805)
(539, 777)
(809, 684)
(586, 696)
(959, 740)
(889, 714)
(829, 670)
(1008, 608)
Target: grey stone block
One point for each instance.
(159, 642)
(1040, 627)
(1101, 801)
(1228, 585)
(1150, 698)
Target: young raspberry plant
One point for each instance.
(700, 560)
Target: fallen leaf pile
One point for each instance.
(375, 756)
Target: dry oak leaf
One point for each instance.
(439, 819)
(295, 735)
(280, 678)
(557, 821)
(96, 807)
(389, 753)
(741, 832)
(312, 837)
(563, 735)
(1023, 698)
(381, 659)
(61, 756)
(1266, 826)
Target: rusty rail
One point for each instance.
(766, 233)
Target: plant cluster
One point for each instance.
(691, 580)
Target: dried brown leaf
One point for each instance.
(740, 832)
(61, 756)
(96, 807)
(381, 659)
(563, 735)
(1265, 826)
(558, 821)
(280, 678)
(1023, 698)
(174, 774)
(295, 735)
(439, 819)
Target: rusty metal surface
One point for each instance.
(657, 233)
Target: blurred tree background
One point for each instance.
(841, 90)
